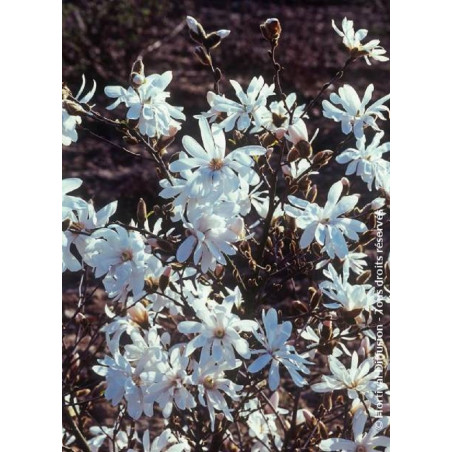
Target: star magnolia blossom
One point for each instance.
(356, 380)
(352, 40)
(212, 229)
(84, 221)
(148, 105)
(325, 224)
(212, 167)
(212, 383)
(239, 115)
(70, 122)
(166, 441)
(218, 333)
(367, 162)
(275, 118)
(277, 351)
(71, 203)
(363, 442)
(170, 385)
(355, 114)
(351, 298)
(120, 253)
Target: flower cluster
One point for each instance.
(244, 277)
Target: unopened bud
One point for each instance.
(142, 213)
(316, 296)
(203, 56)
(164, 279)
(293, 155)
(311, 195)
(322, 158)
(195, 30)
(305, 149)
(137, 77)
(327, 330)
(364, 277)
(271, 29)
(328, 401)
(66, 224)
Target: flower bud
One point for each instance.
(305, 149)
(203, 56)
(66, 224)
(73, 108)
(223, 33)
(137, 77)
(327, 330)
(322, 158)
(293, 155)
(271, 29)
(195, 30)
(164, 279)
(142, 213)
(364, 277)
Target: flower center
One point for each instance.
(216, 164)
(209, 382)
(126, 255)
(137, 380)
(219, 332)
(361, 449)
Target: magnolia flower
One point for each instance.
(210, 164)
(120, 253)
(166, 441)
(169, 387)
(217, 333)
(352, 40)
(326, 224)
(352, 261)
(70, 121)
(363, 442)
(212, 230)
(71, 203)
(239, 115)
(85, 220)
(277, 351)
(356, 380)
(351, 298)
(100, 434)
(276, 118)
(367, 162)
(330, 346)
(212, 383)
(147, 104)
(355, 114)
(124, 382)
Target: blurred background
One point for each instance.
(102, 38)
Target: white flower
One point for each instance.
(71, 203)
(326, 224)
(356, 380)
(349, 297)
(212, 228)
(148, 105)
(352, 40)
(218, 333)
(332, 346)
(100, 434)
(275, 118)
(353, 261)
(124, 382)
(355, 114)
(212, 382)
(241, 113)
(85, 220)
(212, 168)
(367, 162)
(363, 442)
(170, 385)
(166, 441)
(120, 253)
(70, 122)
(277, 351)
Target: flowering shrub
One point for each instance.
(196, 358)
